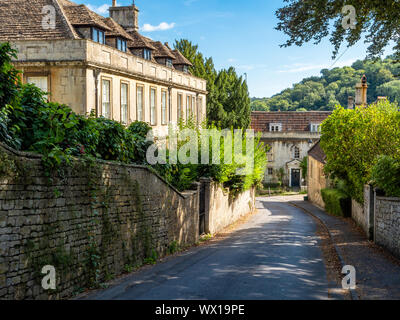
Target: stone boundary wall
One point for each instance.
(387, 224)
(358, 214)
(92, 221)
(224, 209)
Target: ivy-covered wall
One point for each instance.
(91, 220)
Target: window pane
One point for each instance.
(101, 37)
(193, 107)
(106, 99)
(95, 35)
(153, 107)
(124, 103)
(188, 115)
(164, 107)
(140, 103)
(40, 82)
(179, 106)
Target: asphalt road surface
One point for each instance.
(274, 255)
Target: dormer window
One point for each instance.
(147, 54)
(168, 63)
(275, 127)
(315, 127)
(98, 36)
(185, 69)
(121, 44)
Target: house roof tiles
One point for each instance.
(23, 20)
(291, 121)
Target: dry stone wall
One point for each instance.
(387, 224)
(92, 221)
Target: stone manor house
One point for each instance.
(101, 65)
(290, 136)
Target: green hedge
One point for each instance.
(336, 202)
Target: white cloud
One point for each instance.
(302, 67)
(161, 27)
(231, 60)
(103, 9)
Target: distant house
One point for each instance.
(290, 135)
(316, 179)
(101, 65)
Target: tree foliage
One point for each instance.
(334, 87)
(353, 139)
(313, 20)
(228, 102)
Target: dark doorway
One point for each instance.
(295, 178)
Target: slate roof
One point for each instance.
(80, 15)
(116, 30)
(162, 51)
(179, 58)
(139, 41)
(22, 20)
(317, 153)
(291, 121)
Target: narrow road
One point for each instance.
(274, 255)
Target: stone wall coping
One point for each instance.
(392, 199)
(35, 156)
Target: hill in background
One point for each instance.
(335, 86)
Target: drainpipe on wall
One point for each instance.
(96, 74)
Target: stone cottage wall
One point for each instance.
(224, 209)
(92, 221)
(316, 181)
(387, 224)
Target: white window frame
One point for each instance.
(140, 106)
(106, 98)
(164, 110)
(296, 153)
(38, 81)
(124, 103)
(153, 106)
(315, 127)
(275, 127)
(179, 105)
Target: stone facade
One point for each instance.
(76, 69)
(316, 181)
(387, 224)
(94, 73)
(94, 222)
(290, 135)
(222, 209)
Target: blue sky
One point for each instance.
(236, 33)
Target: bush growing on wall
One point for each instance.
(386, 175)
(353, 139)
(336, 202)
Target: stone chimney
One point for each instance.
(361, 92)
(350, 102)
(127, 17)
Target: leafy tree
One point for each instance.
(9, 79)
(313, 20)
(353, 139)
(228, 102)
